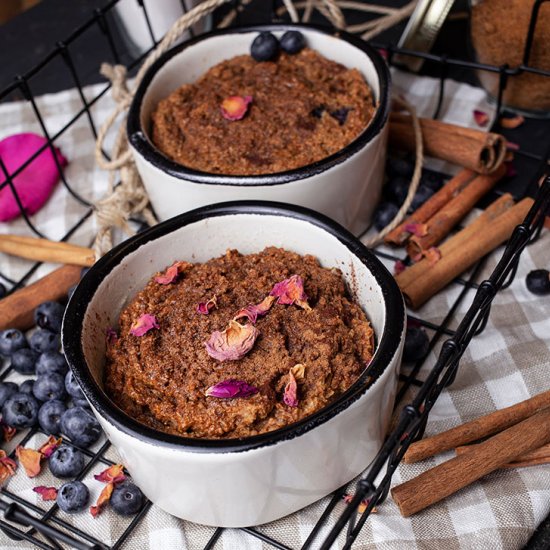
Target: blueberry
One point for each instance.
(11, 340)
(80, 403)
(73, 496)
(66, 462)
(3, 291)
(26, 387)
(49, 416)
(400, 167)
(127, 498)
(265, 47)
(7, 389)
(20, 411)
(384, 214)
(51, 361)
(72, 386)
(416, 344)
(538, 282)
(396, 189)
(24, 361)
(80, 426)
(49, 315)
(292, 42)
(420, 197)
(43, 340)
(430, 179)
(49, 386)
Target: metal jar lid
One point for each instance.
(422, 29)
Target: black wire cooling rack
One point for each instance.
(23, 520)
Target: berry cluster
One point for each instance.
(266, 46)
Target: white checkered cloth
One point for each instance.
(506, 364)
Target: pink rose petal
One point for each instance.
(235, 107)
(252, 312)
(144, 324)
(481, 118)
(399, 267)
(417, 229)
(47, 493)
(511, 146)
(230, 388)
(204, 307)
(111, 336)
(48, 448)
(113, 474)
(233, 343)
(291, 291)
(36, 182)
(172, 273)
(290, 396)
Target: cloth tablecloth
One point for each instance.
(507, 363)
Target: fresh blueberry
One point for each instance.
(80, 426)
(538, 282)
(11, 340)
(66, 462)
(416, 344)
(43, 340)
(73, 496)
(396, 189)
(7, 389)
(26, 387)
(20, 411)
(430, 179)
(265, 47)
(49, 416)
(72, 386)
(49, 386)
(80, 403)
(49, 315)
(399, 167)
(292, 42)
(3, 291)
(384, 214)
(24, 361)
(126, 499)
(420, 197)
(52, 361)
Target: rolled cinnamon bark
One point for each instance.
(532, 458)
(480, 151)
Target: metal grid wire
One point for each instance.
(25, 521)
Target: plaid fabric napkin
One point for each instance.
(507, 363)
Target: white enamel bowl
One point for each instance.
(345, 186)
(249, 481)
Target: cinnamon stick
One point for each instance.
(439, 199)
(441, 223)
(476, 429)
(421, 289)
(16, 310)
(480, 151)
(532, 458)
(460, 239)
(457, 473)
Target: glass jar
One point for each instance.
(498, 32)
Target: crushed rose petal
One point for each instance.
(230, 388)
(47, 493)
(111, 336)
(204, 307)
(171, 273)
(102, 500)
(9, 432)
(417, 229)
(235, 107)
(433, 255)
(252, 312)
(481, 118)
(144, 324)
(232, 343)
(511, 122)
(30, 459)
(347, 498)
(399, 267)
(8, 466)
(290, 396)
(113, 474)
(291, 291)
(50, 446)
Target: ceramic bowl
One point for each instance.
(248, 481)
(345, 186)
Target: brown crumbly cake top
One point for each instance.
(160, 377)
(304, 108)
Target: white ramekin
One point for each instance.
(345, 186)
(249, 481)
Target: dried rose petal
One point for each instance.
(511, 122)
(290, 396)
(8, 466)
(102, 500)
(204, 307)
(47, 493)
(399, 267)
(30, 460)
(433, 255)
(362, 505)
(291, 291)
(252, 312)
(144, 324)
(9, 432)
(417, 229)
(111, 336)
(233, 343)
(50, 446)
(230, 388)
(113, 474)
(511, 146)
(171, 273)
(36, 182)
(235, 106)
(299, 371)
(481, 118)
